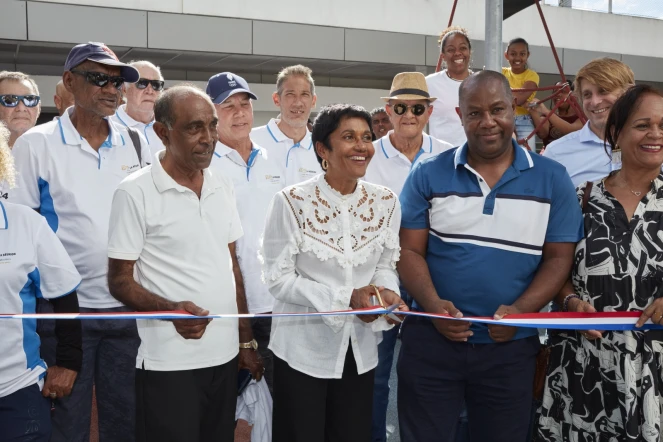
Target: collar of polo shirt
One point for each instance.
(124, 118)
(586, 135)
(165, 182)
(71, 136)
(390, 151)
(522, 159)
(280, 137)
(221, 150)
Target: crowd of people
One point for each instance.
(141, 198)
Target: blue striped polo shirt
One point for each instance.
(485, 245)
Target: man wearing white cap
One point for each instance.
(409, 106)
(68, 171)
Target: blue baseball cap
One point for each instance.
(100, 53)
(223, 85)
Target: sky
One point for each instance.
(647, 8)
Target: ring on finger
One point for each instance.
(53, 394)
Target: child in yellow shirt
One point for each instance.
(521, 77)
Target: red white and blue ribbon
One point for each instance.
(569, 321)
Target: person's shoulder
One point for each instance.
(259, 133)
(442, 159)
(542, 162)
(562, 143)
(138, 180)
(39, 135)
(383, 193)
(435, 75)
(441, 145)
(20, 215)
(530, 74)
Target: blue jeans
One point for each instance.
(109, 363)
(524, 127)
(25, 416)
(381, 385)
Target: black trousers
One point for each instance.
(437, 376)
(309, 409)
(262, 328)
(188, 405)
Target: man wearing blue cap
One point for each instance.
(68, 171)
(257, 175)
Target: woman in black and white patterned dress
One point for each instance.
(607, 386)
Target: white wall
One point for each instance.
(571, 28)
(264, 106)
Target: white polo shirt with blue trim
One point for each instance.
(33, 264)
(389, 167)
(298, 159)
(72, 186)
(147, 130)
(255, 183)
(485, 244)
(583, 155)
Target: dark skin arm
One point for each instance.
(248, 358)
(520, 98)
(125, 289)
(578, 306)
(552, 274)
(416, 279)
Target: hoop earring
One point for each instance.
(325, 164)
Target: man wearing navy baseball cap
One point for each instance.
(69, 170)
(257, 177)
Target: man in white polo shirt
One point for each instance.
(175, 224)
(68, 170)
(409, 107)
(139, 110)
(288, 138)
(257, 176)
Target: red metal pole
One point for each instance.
(451, 20)
(572, 100)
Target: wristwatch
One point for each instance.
(252, 344)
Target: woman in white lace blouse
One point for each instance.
(326, 241)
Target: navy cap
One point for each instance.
(223, 85)
(99, 53)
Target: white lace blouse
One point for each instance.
(318, 246)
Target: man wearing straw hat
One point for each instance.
(409, 106)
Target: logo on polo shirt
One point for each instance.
(273, 179)
(306, 172)
(231, 81)
(6, 258)
(131, 169)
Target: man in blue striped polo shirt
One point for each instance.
(488, 229)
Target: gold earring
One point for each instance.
(325, 164)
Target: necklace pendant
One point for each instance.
(636, 193)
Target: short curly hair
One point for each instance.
(451, 31)
(7, 171)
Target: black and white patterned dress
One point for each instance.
(609, 389)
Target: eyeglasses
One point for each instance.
(9, 100)
(100, 79)
(157, 85)
(417, 109)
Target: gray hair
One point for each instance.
(290, 71)
(146, 64)
(164, 106)
(19, 76)
(7, 171)
(378, 110)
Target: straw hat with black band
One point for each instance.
(409, 86)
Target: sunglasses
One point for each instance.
(157, 85)
(100, 79)
(417, 109)
(13, 100)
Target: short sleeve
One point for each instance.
(28, 180)
(127, 227)
(565, 223)
(530, 75)
(414, 200)
(235, 230)
(57, 274)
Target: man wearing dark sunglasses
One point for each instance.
(68, 171)
(19, 103)
(409, 105)
(138, 113)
